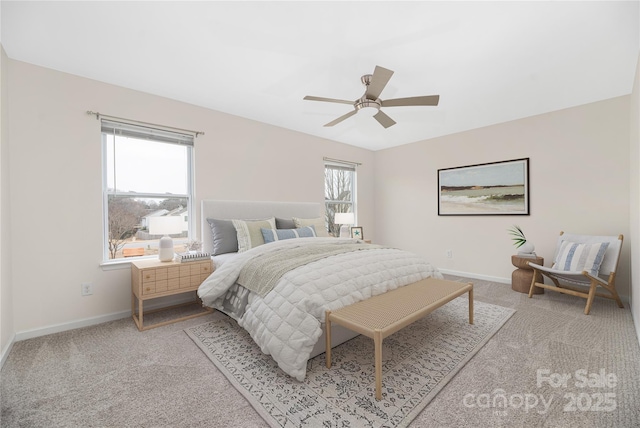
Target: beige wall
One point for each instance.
(56, 202)
(56, 183)
(634, 198)
(579, 183)
(7, 329)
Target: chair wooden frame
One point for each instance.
(606, 276)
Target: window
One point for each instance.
(339, 192)
(147, 173)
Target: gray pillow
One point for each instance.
(225, 237)
(285, 223)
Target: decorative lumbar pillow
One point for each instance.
(317, 223)
(285, 223)
(576, 257)
(249, 233)
(225, 238)
(271, 235)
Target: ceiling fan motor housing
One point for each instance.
(366, 79)
(365, 103)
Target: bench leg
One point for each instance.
(327, 333)
(377, 341)
(471, 306)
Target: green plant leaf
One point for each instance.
(518, 236)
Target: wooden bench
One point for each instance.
(384, 314)
(133, 252)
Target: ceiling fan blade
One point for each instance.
(379, 80)
(341, 118)
(428, 100)
(384, 120)
(328, 100)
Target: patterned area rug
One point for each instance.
(418, 361)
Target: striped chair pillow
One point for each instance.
(577, 257)
(271, 235)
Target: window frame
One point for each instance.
(347, 166)
(153, 129)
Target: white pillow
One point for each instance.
(576, 257)
(249, 233)
(317, 223)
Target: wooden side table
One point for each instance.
(151, 278)
(521, 277)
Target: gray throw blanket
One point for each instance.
(262, 272)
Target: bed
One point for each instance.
(289, 283)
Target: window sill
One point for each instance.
(118, 264)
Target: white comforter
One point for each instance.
(286, 323)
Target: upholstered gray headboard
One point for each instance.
(246, 210)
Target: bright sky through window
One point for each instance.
(147, 166)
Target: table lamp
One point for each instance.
(165, 225)
(345, 219)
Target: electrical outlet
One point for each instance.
(86, 289)
(449, 254)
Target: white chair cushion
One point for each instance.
(578, 257)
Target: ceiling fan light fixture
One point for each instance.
(367, 107)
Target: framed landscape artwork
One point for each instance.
(497, 188)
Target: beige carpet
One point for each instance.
(418, 361)
(112, 375)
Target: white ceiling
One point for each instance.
(490, 62)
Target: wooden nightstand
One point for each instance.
(151, 279)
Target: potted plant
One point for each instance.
(193, 246)
(520, 241)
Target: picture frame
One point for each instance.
(495, 188)
(357, 233)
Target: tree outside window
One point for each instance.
(339, 185)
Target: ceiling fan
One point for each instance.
(370, 101)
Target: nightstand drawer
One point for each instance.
(205, 268)
(173, 283)
(162, 285)
(185, 281)
(148, 288)
(148, 275)
(161, 274)
(173, 272)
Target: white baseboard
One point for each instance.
(625, 299)
(6, 350)
(86, 322)
(71, 325)
(476, 276)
